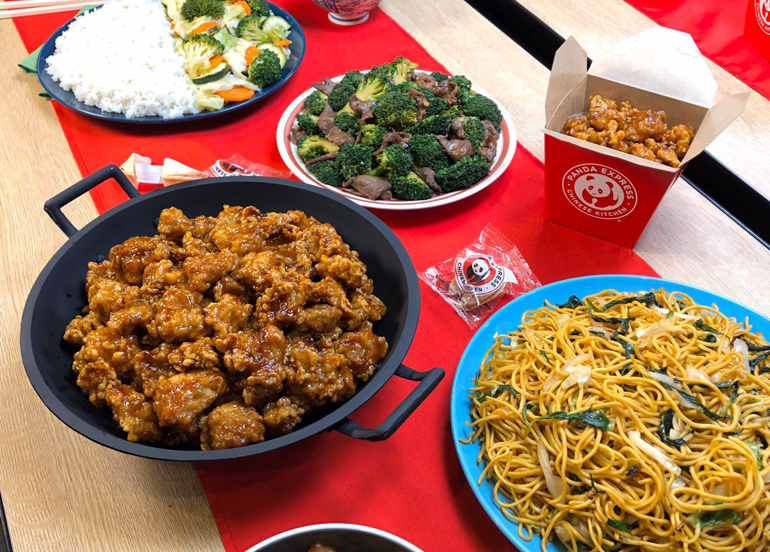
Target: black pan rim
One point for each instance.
(327, 422)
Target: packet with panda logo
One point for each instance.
(481, 276)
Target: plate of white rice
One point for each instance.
(118, 62)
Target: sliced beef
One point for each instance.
(372, 187)
(457, 131)
(456, 149)
(489, 147)
(338, 136)
(326, 86)
(423, 80)
(367, 117)
(429, 177)
(326, 119)
(448, 90)
(398, 138)
(422, 102)
(297, 134)
(360, 107)
(324, 157)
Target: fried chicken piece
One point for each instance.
(228, 285)
(151, 366)
(134, 413)
(347, 269)
(194, 355)
(138, 315)
(173, 224)
(363, 350)
(229, 314)
(330, 291)
(179, 400)
(107, 344)
(318, 319)
(130, 258)
(281, 304)
(204, 270)
(95, 378)
(238, 230)
(260, 270)
(179, 316)
(367, 306)
(231, 425)
(320, 377)
(319, 240)
(106, 295)
(159, 276)
(318, 547)
(281, 416)
(80, 326)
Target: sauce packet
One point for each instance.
(238, 165)
(481, 276)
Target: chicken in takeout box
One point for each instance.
(618, 135)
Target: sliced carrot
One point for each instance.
(282, 43)
(236, 94)
(216, 61)
(251, 54)
(205, 27)
(245, 6)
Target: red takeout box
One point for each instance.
(605, 192)
(757, 28)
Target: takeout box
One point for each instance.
(757, 28)
(608, 193)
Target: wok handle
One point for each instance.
(54, 205)
(428, 382)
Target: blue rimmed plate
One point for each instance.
(507, 319)
(68, 99)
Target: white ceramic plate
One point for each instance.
(506, 147)
(311, 532)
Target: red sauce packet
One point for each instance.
(482, 276)
(238, 165)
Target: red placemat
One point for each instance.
(717, 27)
(412, 484)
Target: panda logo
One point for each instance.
(478, 271)
(479, 274)
(762, 11)
(599, 191)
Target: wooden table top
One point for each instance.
(62, 492)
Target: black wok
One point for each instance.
(59, 294)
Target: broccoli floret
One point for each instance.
(374, 85)
(478, 105)
(404, 87)
(436, 104)
(474, 131)
(372, 135)
(340, 94)
(313, 146)
(193, 9)
(354, 159)
(435, 124)
(259, 8)
(410, 187)
(463, 174)
(198, 50)
(326, 172)
(248, 29)
(428, 152)
(400, 67)
(463, 81)
(315, 102)
(439, 76)
(347, 122)
(394, 160)
(309, 123)
(396, 110)
(265, 69)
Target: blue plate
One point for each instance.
(68, 99)
(507, 319)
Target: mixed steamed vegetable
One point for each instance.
(394, 132)
(232, 49)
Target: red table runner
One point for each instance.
(412, 484)
(717, 27)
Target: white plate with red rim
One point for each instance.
(343, 536)
(506, 147)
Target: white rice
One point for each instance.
(121, 59)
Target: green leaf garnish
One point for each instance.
(664, 429)
(713, 518)
(701, 325)
(572, 303)
(596, 418)
(619, 525)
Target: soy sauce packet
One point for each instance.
(482, 276)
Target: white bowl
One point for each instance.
(344, 537)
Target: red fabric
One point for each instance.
(411, 484)
(718, 28)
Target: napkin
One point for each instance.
(29, 63)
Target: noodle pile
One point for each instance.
(629, 422)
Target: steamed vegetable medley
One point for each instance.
(397, 133)
(232, 49)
